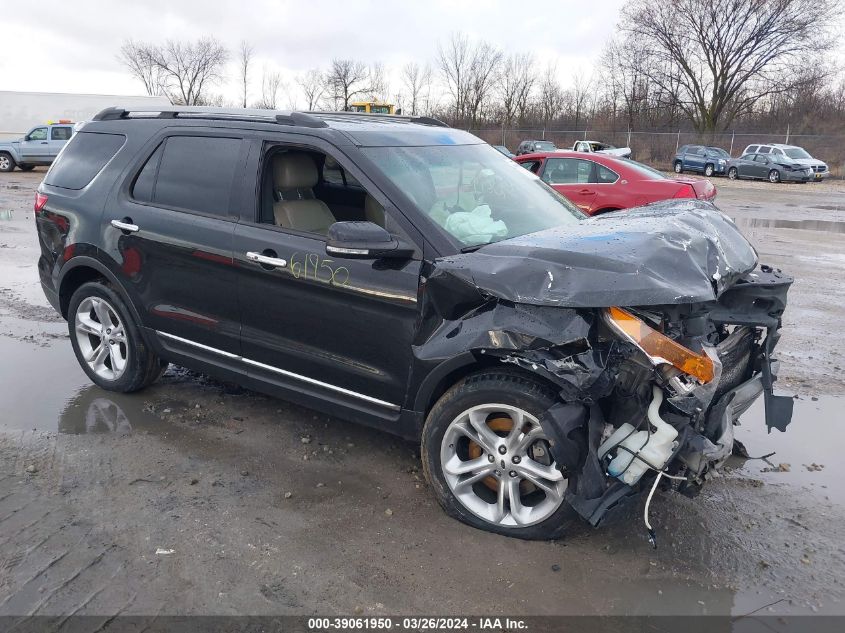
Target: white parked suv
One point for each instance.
(797, 154)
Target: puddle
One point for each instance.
(47, 391)
(815, 436)
(826, 226)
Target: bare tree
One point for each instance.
(727, 56)
(416, 80)
(346, 79)
(379, 84)
(551, 98)
(244, 60)
(469, 71)
(138, 58)
(271, 81)
(312, 84)
(183, 70)
(582, 95)
(516, 81)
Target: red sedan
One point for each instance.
(599, 183)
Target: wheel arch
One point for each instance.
(452, 371)
(82, 269)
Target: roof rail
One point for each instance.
(421, 120)
(300, 119)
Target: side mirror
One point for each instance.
(364, 240)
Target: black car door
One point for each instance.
(337, 329)
(170, 231)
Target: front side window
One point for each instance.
(194, 173)
(476, 195)
(61, 133)
(764, 149)
(38, 134)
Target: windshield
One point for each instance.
(473, 192)
(544, 146)
(718, 151)
(644, 170)
(796, 152)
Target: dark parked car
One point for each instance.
(408, 276)
(768, 167)
(529, 147)
(699, 158)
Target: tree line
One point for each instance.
(670, 64)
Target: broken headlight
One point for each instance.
(659, 349)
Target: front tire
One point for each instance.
(679, 167)
(708, 170)
(487, 459)
(107, 341)
(733, 174)
(7, 163)
(774, 176)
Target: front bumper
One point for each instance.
(795, 176)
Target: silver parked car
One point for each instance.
(798, 155)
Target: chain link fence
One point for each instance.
(658, 148)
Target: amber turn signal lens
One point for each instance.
(660, 348)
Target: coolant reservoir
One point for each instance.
(655, 448)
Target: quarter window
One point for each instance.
(83, 158)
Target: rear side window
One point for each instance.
(194, 173)
(751, 149)
(61, 133)
(82, 158)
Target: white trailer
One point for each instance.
(20, 111)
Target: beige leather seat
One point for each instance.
(373, 211)
(294, 175)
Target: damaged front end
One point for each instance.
(649, 388)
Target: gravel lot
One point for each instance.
(197, 497)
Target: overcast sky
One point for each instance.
(62, 46)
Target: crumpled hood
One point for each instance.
(809, 162)
(666, 253)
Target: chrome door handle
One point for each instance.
(125, 226)
(264, 259)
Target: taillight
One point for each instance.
(687, 191)
(40, 201)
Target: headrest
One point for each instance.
(294, 170)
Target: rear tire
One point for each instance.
(733, 174)
(679, 167)
(7, 163)
(107, 341)
(774, 176)
(481, 495)
(708, 170)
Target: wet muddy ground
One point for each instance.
(200, 497)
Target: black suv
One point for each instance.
(406, 275)
(529, 147)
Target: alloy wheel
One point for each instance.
(4, 163)
(774, 176)
(101, 338)
(496, 461)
